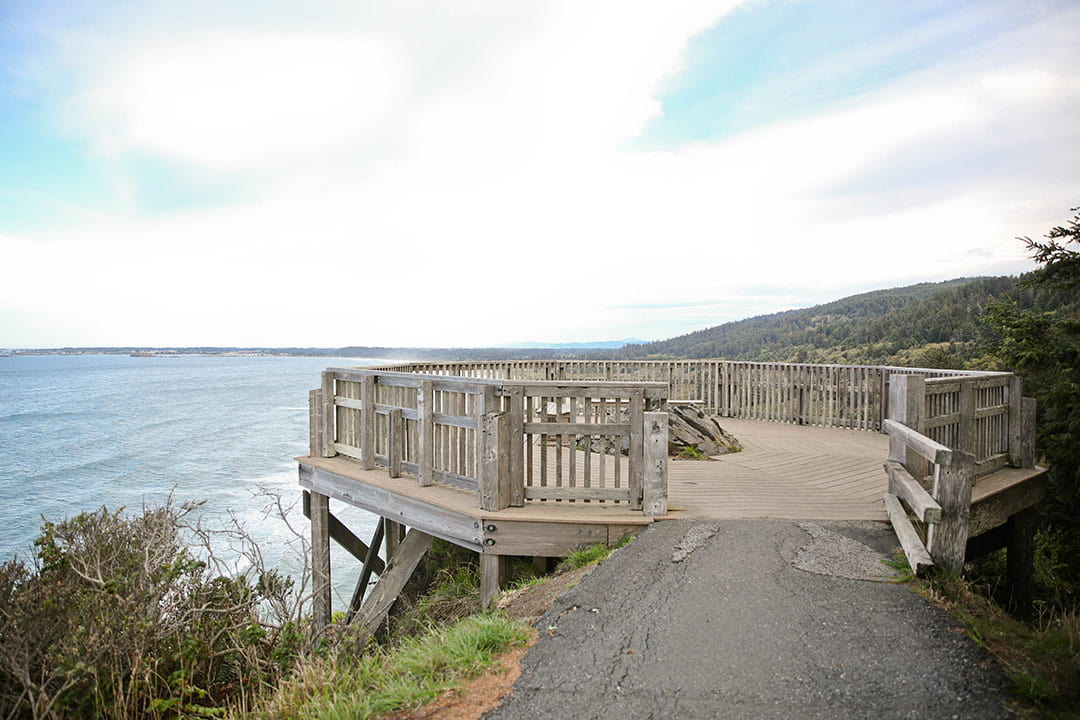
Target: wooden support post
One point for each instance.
(367, 423)
(329, 410)
(398, 571)
(372, 563)
(947, 540)
(494, 572)
(393, 533)
(654, 490)
(1020, 560)
(907, 401)
(1016, 422)
(425, 404)
(636, 459)
(494, 470)
(320, 560)
(395, 437)
(344, 537)
(516, 453)
(1028, 409)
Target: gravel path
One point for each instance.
(751, 619)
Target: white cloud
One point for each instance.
(421, 179)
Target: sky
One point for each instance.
(470, 173)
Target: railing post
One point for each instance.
(367, 423)
(654, 491)
(1016, 409)
(516, 438)
(1028, 408)
(328, 413)
(315, 422)
(636, 457)
(966, 435)
(947, 540)
(907, 405)
(494, 471)
(394, 438)
(425, 436)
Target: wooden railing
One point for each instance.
(851, 396)
(944, 433)
(510, 441)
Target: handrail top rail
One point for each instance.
(899, 370)
(498, 383)
(930, 449)
(975, 374)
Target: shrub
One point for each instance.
(118, 617)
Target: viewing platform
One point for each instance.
(538, 459)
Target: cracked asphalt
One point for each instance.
(760, 619)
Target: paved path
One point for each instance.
(735, 629)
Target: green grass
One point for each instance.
(1041, 659)
(391, 680)
(899, 563)
(592, 554)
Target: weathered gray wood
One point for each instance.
(425, 404)
(398, 571)
(553, 492)
(367, 422)
(947, 540)
(1016, 422)
(917, 556)
(458, 421)
(516, 438)
(654, 489)
(316, 428)
(636, 457)
(494, 479)
(372, 564)
(328, 412)
(1028, 409)
(915, 441)
(907, 400)
(392, 533)
(905, 487)
(966, 421)
(342, 535)
(494, 572)
(1020, 560)
(995, 508)
(395, 438)
(320, 560)
(553, 539)
(433, 519)
(568, 428)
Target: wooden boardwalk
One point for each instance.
(785, 471)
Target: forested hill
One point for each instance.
(929, 325)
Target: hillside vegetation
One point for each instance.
(929, 325)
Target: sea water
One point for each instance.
(78, 432)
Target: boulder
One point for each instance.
(693, 433)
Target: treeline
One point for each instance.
(930, 324)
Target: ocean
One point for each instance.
(78, 432)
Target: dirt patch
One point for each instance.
(529, 603)
(485, 692)
(476, 698)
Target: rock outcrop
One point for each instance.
(694, 434)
